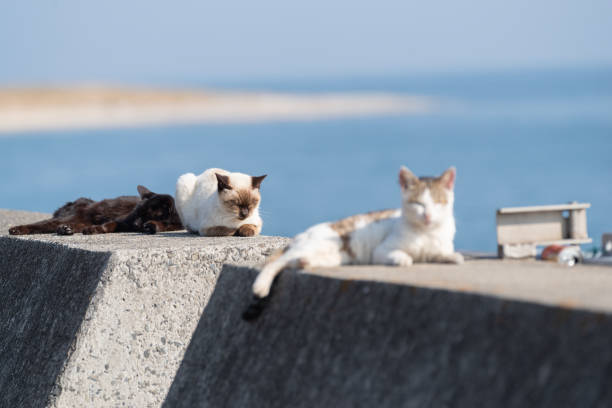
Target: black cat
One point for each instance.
(149, 213)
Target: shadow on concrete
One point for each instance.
(332, 343)
(45, 290)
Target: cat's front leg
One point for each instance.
(41, 227)
(398, 258)
(395, 257)
(19, 230)
(247, 230)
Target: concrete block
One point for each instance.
(106, 321)
(99, 321)
(325, 342)
(45, 291)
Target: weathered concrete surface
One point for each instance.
(45, 291)
(587, 287)
(97, 321)
(100, 321)
(324, 342)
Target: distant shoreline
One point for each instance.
(63, 108)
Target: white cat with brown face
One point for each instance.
(219, 203)
(422, 231)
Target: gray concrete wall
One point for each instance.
(323, 342)
(97, 321)
(45, 292)
(106, 321)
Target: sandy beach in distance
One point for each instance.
(55, 108)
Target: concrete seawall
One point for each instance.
(144, 321)
(328, 342)
(45, 292)
(105, 320)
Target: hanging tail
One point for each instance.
(263, 284)
(275, 265)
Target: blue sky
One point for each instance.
(137, 40)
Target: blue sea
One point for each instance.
(516, 138)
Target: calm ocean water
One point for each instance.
(524, 138)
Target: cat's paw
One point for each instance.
(19, 230)
(149, 228)
(64, 229)
(399, 258)
(261, 286)
(246, 230)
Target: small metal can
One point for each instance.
(564, 255)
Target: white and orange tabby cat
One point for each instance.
(219, 203)
(422, 231)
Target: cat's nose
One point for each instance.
(244, 212)
(427, 218)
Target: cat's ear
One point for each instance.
(222, 182)
(406, 178)
(448, 178)
(144, 192)
(256, 181)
